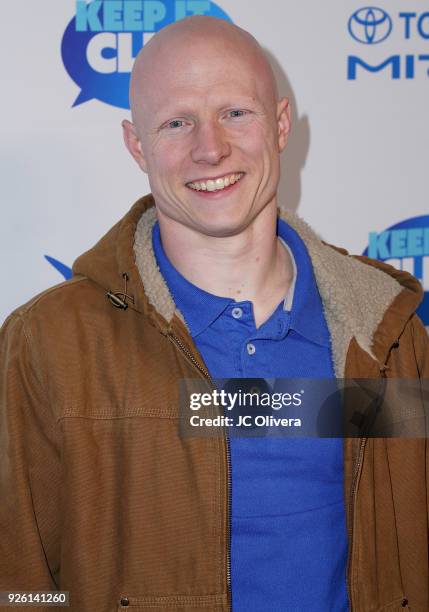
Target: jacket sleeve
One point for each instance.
(421, 351)
(29, 468)
(421, 346)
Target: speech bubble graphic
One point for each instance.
(405, 245)
(101, 42)
(61, 267)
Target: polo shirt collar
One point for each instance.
(306, 312)
(302, 305)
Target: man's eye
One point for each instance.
(237, 113)
(176, 123)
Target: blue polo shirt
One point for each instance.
(288, 531)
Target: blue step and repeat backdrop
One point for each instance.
(356, 167)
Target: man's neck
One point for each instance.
(250, 266)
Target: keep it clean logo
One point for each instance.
(405, 245)
(102, 40)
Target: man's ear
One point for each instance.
(284, 122)
(133, 144)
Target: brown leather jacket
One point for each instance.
(101, 497)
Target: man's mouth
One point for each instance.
(216, 184)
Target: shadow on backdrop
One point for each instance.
(293, 158)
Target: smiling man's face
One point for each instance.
(208, 131)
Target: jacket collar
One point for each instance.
(362, 298)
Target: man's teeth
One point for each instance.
(217, 184)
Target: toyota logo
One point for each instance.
(370, 25)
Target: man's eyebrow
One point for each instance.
(173, 111)
(183, 110)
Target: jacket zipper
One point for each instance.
(205, 373)
(355, 481)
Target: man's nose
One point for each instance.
(211, 145)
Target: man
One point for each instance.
(101, 495)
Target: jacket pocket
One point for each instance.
(173, 603)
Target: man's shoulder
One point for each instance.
(57, 309)
(374, 270)
(48, 296)
(356, 273)
(55, 299)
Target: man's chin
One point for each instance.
(220, 226)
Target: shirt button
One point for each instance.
(125, 601)
(236, 313)
(251, 349)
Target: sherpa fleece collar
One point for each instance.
(355, 295)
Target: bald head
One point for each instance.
(190, 41)
(207, 127)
